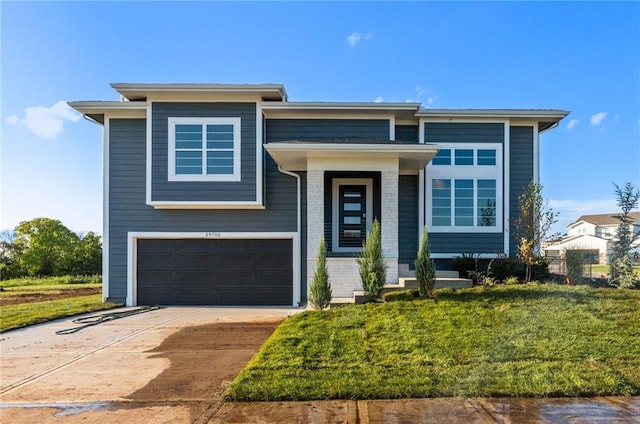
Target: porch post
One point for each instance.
(315, 218)
(389, 224)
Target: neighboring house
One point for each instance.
(593, 234)
(219, 194)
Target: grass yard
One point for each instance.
(523, 340)
(30, 301)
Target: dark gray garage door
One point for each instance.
(215, 272)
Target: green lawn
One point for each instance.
(33, 312)
(523, 340)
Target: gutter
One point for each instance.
(90, 119)
(555, 124)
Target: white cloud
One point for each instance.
(45, 122)
(355, 37)
(572, 124)
(422, 95)
(379, 99)
(597, 118)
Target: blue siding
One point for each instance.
(407, 133)
(128, 211)
(460, 243)
(314, 129)
(244, 190)
(407, 219)
(457, 132)
(521, 173)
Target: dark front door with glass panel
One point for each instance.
(352, 217)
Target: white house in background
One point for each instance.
(593, 234)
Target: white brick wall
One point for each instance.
(389, 212)
(315, 212)
(344, 276)
(343, 272)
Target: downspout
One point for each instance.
(298, 224)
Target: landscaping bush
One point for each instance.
(467, 262)
(320, 290)
(511, 280)
(425, 268)
(575, 265)
(540, 269)
(371, 266)
(504, 267)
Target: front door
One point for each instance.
(352, 215)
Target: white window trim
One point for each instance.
(467, 172)
(337, 182)
(172, 176)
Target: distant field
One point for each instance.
(34, 300)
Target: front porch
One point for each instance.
(349, 185)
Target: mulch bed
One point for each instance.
(44, 296)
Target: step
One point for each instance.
(447, 274)
(405, 272)
(441, 283)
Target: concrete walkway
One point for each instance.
(172, 366)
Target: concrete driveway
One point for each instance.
(168, 365)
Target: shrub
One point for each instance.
(540, 269)
(504, 267)
(575, 265)
(320, 290)
(511, 280)
(465, 263)
(371, 266)
(488, 281)
(425, 268)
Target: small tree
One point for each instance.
(320, 290)
(425, 268)
(371, 266)
(626, 235)
(533, 222)
(575, 261)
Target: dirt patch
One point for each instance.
(42, 296)
(204, 360)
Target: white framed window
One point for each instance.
(464, 188)
(204, 149)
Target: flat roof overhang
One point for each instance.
(141, 91)
(293, 156)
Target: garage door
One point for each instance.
(214, 272)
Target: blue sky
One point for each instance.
(582, 57)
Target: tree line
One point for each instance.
(45, 247)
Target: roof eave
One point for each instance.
(140, 91)
(540, 114)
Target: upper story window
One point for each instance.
(465, 188)
(466, 157)
(204, 149)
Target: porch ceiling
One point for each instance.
(293, 156)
